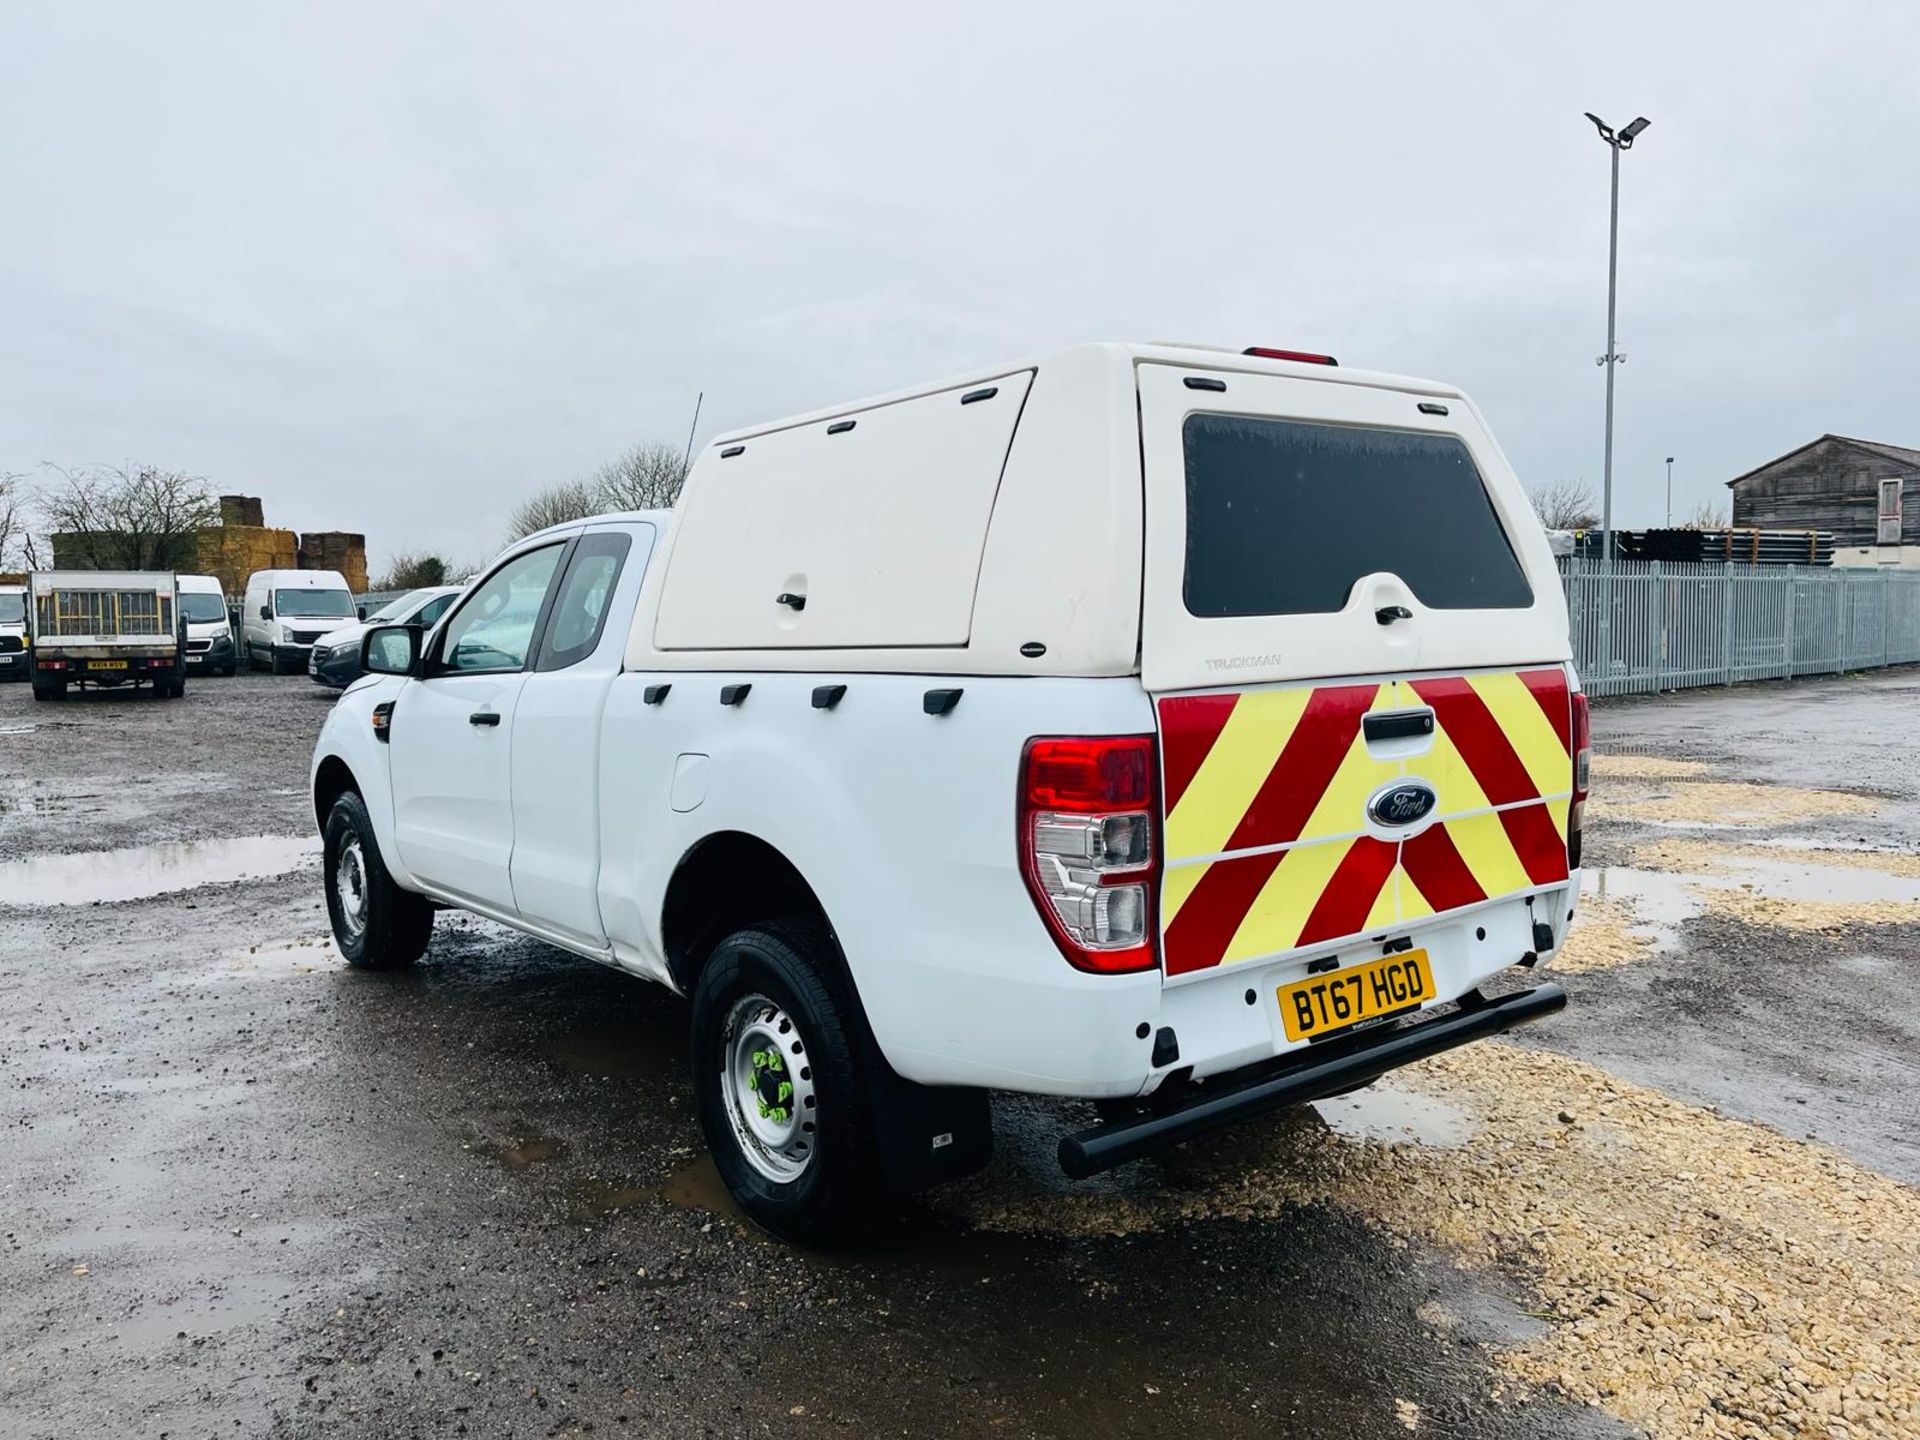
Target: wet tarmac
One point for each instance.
(246, 1191)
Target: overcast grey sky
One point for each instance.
(391, 267)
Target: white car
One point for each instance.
(1095, 726)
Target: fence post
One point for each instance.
(1793, 584)
(1726, 622)
(1659, 629)
(1886, 609)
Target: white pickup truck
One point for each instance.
(1185, 730)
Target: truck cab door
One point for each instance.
(556, 732)
(452, 734)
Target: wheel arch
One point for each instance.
(727, 881)
(332, 778)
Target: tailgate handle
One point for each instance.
(1387, 614)
(1398, 724)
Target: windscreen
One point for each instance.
(327, 603)
(13, 609)
(201, 608)
(394, 611)
(1284, 515)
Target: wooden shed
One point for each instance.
(1865, 492)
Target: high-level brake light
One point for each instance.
(1087, 846)
(1305, 357)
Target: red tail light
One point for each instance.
(1088, 848)
(1582, 772)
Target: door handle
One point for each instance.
(484, 717)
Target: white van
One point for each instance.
(203, 605)
(13, 631)
(287, 610)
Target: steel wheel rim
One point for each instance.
(766, 1084)
(350, 887)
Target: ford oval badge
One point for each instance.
(1402, 803)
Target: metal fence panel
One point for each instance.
(1640, 627)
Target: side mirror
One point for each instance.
(265, 613)
(360, 611)
(391, 650)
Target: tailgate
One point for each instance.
(1298, 816)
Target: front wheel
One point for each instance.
(779, 1088)
(376, 924)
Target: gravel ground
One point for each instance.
(246, 1192)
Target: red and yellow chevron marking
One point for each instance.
(1266, 838)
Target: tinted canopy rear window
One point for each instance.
(1284, 515)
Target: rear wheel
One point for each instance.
(779, 1089)
(49, 689)
(376, 924)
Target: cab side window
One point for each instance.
(492, 631)
(431, 612)
(580, 609)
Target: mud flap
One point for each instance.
(928, 1134)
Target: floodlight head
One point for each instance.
(1606, 130)
(1631, 130)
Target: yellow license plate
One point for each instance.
(1325, 1003)
(106, 664)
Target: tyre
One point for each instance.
(253, 659)
(226, 672)
(376, 924)
(49, 689)
(779, 1087)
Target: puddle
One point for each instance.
(106, 877)
(218, 1306)
(523, 1154)
(1796, 893)
(1660, 903)
(695, 1185)
(1386, 1114)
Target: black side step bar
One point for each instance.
(1115, 1142)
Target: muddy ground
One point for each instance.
(244, 1191)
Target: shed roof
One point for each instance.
(1872, 447)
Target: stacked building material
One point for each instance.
(242, 510)
(340, 550)
(230, 553)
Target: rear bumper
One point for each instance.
(1324, 1070)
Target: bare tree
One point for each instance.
(647, 477)
(413, 570)
(17, 550)
(117, 519)
(1706, 516)
(1565, 505)
(555, 505)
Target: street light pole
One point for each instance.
(1616, 141)
(1669, 492)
